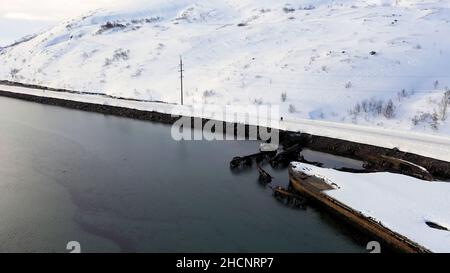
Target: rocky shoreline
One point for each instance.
(438, 168)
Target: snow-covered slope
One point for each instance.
(383, 63)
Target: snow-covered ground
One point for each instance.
(340, 61)
(401, 203)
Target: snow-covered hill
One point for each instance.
(383, 63)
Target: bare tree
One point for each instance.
(283, 96)
(443, 105)
(389, 110)
(436, 84)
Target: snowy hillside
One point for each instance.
(383, 63)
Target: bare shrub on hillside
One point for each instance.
(108, 61)
(13, 73)
(119, 55)
(89, 54)
(436, 84)
(439, 113)
(146, 20)
(373, 108)
(389, 110)
(288, 9)
(137, 73)
(110, 26)
(292, 108)
(283, 97)
(208, 93)
(442, 110)
(308, 7)
(403, 94)
(258, 101)
(428, 118)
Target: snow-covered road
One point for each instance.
(427, 145)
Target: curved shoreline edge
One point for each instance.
(337, 146)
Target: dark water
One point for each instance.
(332, 161)
(116, 184)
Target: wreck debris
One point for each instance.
(348, 170)
(285, 157)
(303, 160)
(289, 197)
(268, 147)
(264, 176)
(372, 162)
(288, 139)
(238, 161)
(436, 226)
(389, 163)
(247, 161)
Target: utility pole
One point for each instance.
(181, 78)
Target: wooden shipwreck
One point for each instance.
(313, 187)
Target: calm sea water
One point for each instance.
(121, 185)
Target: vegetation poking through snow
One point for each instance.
(426, 118)
(372, 108)
(283, 97)
(13, 73)
(438, 115)
(403, 94)
(208, 93)
(119, 55)
(292, 108)
(442, 110)
(110, 26)
(288, 9)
